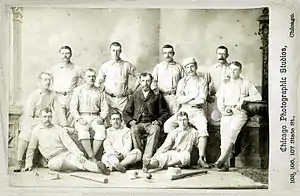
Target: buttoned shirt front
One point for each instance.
(219, 73)
(118, 140)
(115, 75)
(167, 75)
(50, 141)
(88, 100)
(65, 78)
(232, 92)
(180, 140)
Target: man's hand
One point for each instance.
(82, 121)
(100, 121)
(133, 122)
(155, 123)
(120, 156)
(70, 130)
(128, 92)
(81, 158)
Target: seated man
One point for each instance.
(231, 96)
(118, 145)
(191, 93)
(145, 112)
(40, 98)
(89, 109)
(60, 151)
(176, 150)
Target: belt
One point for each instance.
(89, 113)
(114, 95)
(55, 154)
(198, 106)
(231, 106)
(64, 93)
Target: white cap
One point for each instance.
(188, 61)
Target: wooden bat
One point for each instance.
(100, 180)
(189, 174)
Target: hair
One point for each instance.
(222, 47)
(66, 47)
(46, 110)
(144, 74)
(168, 46)
(115, 44)
(89, 70)
(237, 63)
(181, 113)
(44, 73)
(116, 112)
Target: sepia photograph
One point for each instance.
(139, 98)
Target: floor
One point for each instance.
(42, 177)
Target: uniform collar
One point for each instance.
(222, 65)
(70, 65)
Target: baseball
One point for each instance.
(148, 176)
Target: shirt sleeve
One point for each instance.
(127, 142)
(107, 145)
(180, 95)
(253, 93)
(100, 76)
(168, 143)
(103, 106)
(33, 143)
(202, 93)
(74, 104)
(155, 73)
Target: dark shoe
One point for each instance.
(217, 164)
(18, 166)
(102, 167)
(223, 168)
(202, 163)
(146, 163)
(120, 168)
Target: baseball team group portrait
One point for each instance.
(139, 98)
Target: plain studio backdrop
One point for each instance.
(141, 32)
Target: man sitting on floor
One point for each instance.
(118, 145)
(176, 150)
(58, 148)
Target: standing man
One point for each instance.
(118, 145)
(177, 148)
(56, 145)
(167, 75)
(191, 93)
(114, 75)
(219, 73)
(37, 100)
(231, 97)
(145, 112)
(65, 78)
(89, 109)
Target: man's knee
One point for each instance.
(154, 129)
(134, 130)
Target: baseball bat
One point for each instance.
(100, 180)
(179, 176)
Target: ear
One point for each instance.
(173, 53)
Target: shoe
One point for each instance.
(146, 163)
(18, 166)
(120, 168)
(102, 167)
(202, 163)
(223, 168)
(217, 164)
(43, 162)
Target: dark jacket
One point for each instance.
(155, 105)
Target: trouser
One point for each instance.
(231, 126)
(170, 157)
(64, 101)
(152, 132)
(172, 104)
(111, 159)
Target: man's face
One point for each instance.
(115, 52)
(90, 77)
(45, 82)
(222, 54)
(116, 121)
(146, 82)
(168, 54)
(235, 71)
(183, 122)
(191, 69)
(65, 55)
(46, 118)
